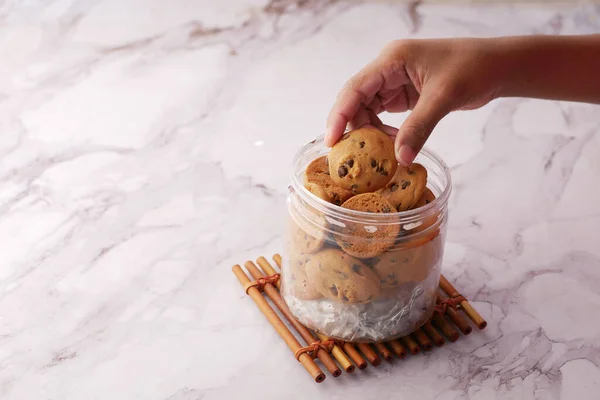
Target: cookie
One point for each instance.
(305, 239)
(432, 252)
(366, 240)
(426, 198)
(406, 187)
(340, 277)
(295, 279)
(317, 191)
(317, 173)
(363, 160)
(401, 266)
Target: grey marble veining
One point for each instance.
(145, 148)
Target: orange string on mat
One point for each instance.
(453, 302)
(314, 347)
(261, 282)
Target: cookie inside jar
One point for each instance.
(361, 264)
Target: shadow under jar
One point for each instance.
(383, 284)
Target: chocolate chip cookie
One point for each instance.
(318, 191)
(366, 240)
(426, 198)
(317, 173)
(363, 160)
(305, 239)
(406, 187)
(295, 279)
(398, 267)
(340, 277)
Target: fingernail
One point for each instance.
(405, 155)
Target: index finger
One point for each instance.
(360, 89)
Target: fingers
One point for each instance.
(415, 130)
(390, 130)
(376, 122)
(367, 114)
(361, 118)
(359, 91)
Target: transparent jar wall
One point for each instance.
(363, 277)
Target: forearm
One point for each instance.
(549, 67)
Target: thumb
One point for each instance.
(415, 130)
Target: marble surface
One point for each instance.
(144, 150)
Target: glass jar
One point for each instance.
(384, 289)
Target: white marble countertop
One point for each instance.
(144, 150)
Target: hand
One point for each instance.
(429, 77)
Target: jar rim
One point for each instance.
(362, 216)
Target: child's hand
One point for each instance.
(430, 77)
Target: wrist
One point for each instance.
(512, 64)
(548, 67)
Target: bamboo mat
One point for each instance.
(454, 316)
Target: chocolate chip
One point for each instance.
(356, 268)
(399, 206)
(362, 144)
(342, 171)
(426, 201)
(405, 184)
(343, 275)
(373, 163)
(350, 163)
(333, 290)
(336, 199)
(345, 299)
(353, 188)
(394, 187)
(386, 209)
(383, 172)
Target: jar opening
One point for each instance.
(439, 182)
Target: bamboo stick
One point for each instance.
(465, 305)
(411, 344)
(385, 353)
(355, 355)
(341, 357)
(307, 362)
(369, 353)
(306, 335)
(422, 339)
(397, 348)
(443, 325)
(433, 334)
(337, 352)
(455, 317)
(268, 268)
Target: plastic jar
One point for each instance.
(372, 296)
